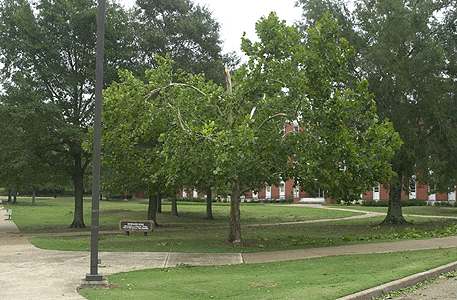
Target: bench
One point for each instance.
(144, 226)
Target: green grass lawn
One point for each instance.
(54, 215)
(408, 210)
(190, 232)
(257, 238)
(311, 279)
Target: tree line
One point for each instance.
(48, 77)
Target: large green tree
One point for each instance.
(48, 50)
(185, 31)
(21, 121)
(404, 62)
(401, 52)
(48, 47)
(241, 124)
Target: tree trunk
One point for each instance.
(209, 205)
(33, 198)
(14, 197)
(152, 209)
(234, 218)
(159, 202)
(174, 206)
(394, 212)
(9, 195)
(78, 181)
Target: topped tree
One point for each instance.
(239, 128)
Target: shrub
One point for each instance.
(379, 203)
(413, 202)
(191, 199)
(444, 204)
(385, 203)
(289, 201)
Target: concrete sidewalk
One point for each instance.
(27, 272)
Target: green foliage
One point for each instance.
(350, 144)
(184, 30)
(413, 202)
(385, 203)
(47, 50)
(48, 58)
(380, 203)
(191, 132)
(270, 200)
(191, 199)
(411, 233)
(444, 204)
(406, 52)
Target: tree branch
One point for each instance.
(272, 117)
(173, 84)
(178, 115)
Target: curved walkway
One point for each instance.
(27, 272)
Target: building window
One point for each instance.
(319, 193)
(296, 127)
(268, 192)
(412, 185)
(282, 190)
(296, 191)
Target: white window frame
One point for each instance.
(268, 192)
(413, 188)
(377, 192)
(451, 195)
(282, 190)
(431, 197)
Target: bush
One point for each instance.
(191, 199)
(379, 203)
(444, 203)
(385, 203)
(289, 201)
(413, 202)
(269, 200)
(281, 201)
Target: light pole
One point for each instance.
(94, 276)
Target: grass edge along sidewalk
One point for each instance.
(316, 278)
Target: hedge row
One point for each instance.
(192, 199)
(385, 203)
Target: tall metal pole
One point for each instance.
(94, 276)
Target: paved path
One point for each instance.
(27, 272)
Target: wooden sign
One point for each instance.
(135, 225)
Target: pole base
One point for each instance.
(90, 283)
(96, 277)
